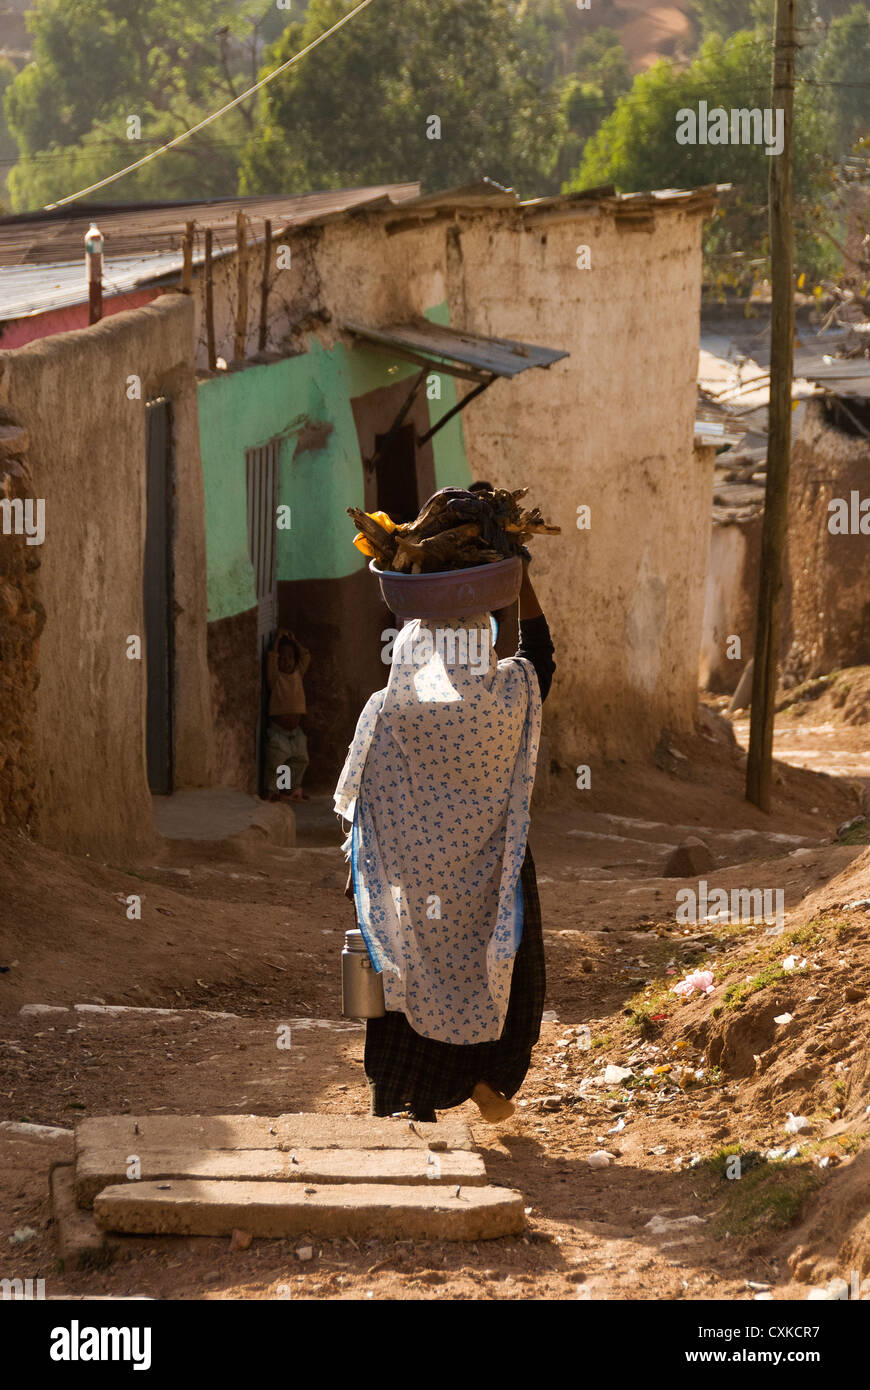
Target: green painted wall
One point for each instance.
(239, 410)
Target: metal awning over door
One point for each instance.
(470, 356)
(474, 356)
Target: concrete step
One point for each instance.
(97, 1169)
(82, 1245)
(124, 1135)
(222, 817)
(276, 1209)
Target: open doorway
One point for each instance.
(396, 473)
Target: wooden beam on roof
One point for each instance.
(241, 332)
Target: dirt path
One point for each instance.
(710, 1078)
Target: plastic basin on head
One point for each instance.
(451, 593)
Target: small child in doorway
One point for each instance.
(286, 744)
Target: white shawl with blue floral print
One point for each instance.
(437, 785)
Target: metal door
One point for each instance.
(261, 465)
(158, 596)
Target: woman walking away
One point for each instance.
(437, 785)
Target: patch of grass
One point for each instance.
(131, 873)
(807, 690)
(656, 998)
(766, 1196)
(717, 1161)
(604, 1040)
(835, 1146)
(640, 1019)
(855, 835)
(809, 936)
(850, 1143)
(844, 926)
(736, 995)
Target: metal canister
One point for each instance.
(362, 989)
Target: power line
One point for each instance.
(185, 134)
(635, 98)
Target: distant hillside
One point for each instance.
(648, 30)
(14, 38)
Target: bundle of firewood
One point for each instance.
(455, 530)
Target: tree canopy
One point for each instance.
(443, 93)
(636, 148)
(99, 63)
(532, 93)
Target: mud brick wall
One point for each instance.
(830, 571)
(21, 621)
(86, 712)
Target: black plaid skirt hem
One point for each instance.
(407, 1072)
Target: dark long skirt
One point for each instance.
(408, 1072)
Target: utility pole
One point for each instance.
(774, 530)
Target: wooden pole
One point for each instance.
(209, 303)
(241, 334)
(187, 267)
(94, 272)
(774, 530)
(264, 284)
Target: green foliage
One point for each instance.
(636, 148)
(361, 112)
(767, 1197)
(8, 148)
(723, 17)
(843, 74)
(526, 92)
(588, 94)
(99, 62)
(737, 994)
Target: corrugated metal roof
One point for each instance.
(152, 233)
(480, 193)
(485, 193)
(842, 376)
(26, 290)
(716, 423)
(480, 356)
(50, 238)
(630, 205)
